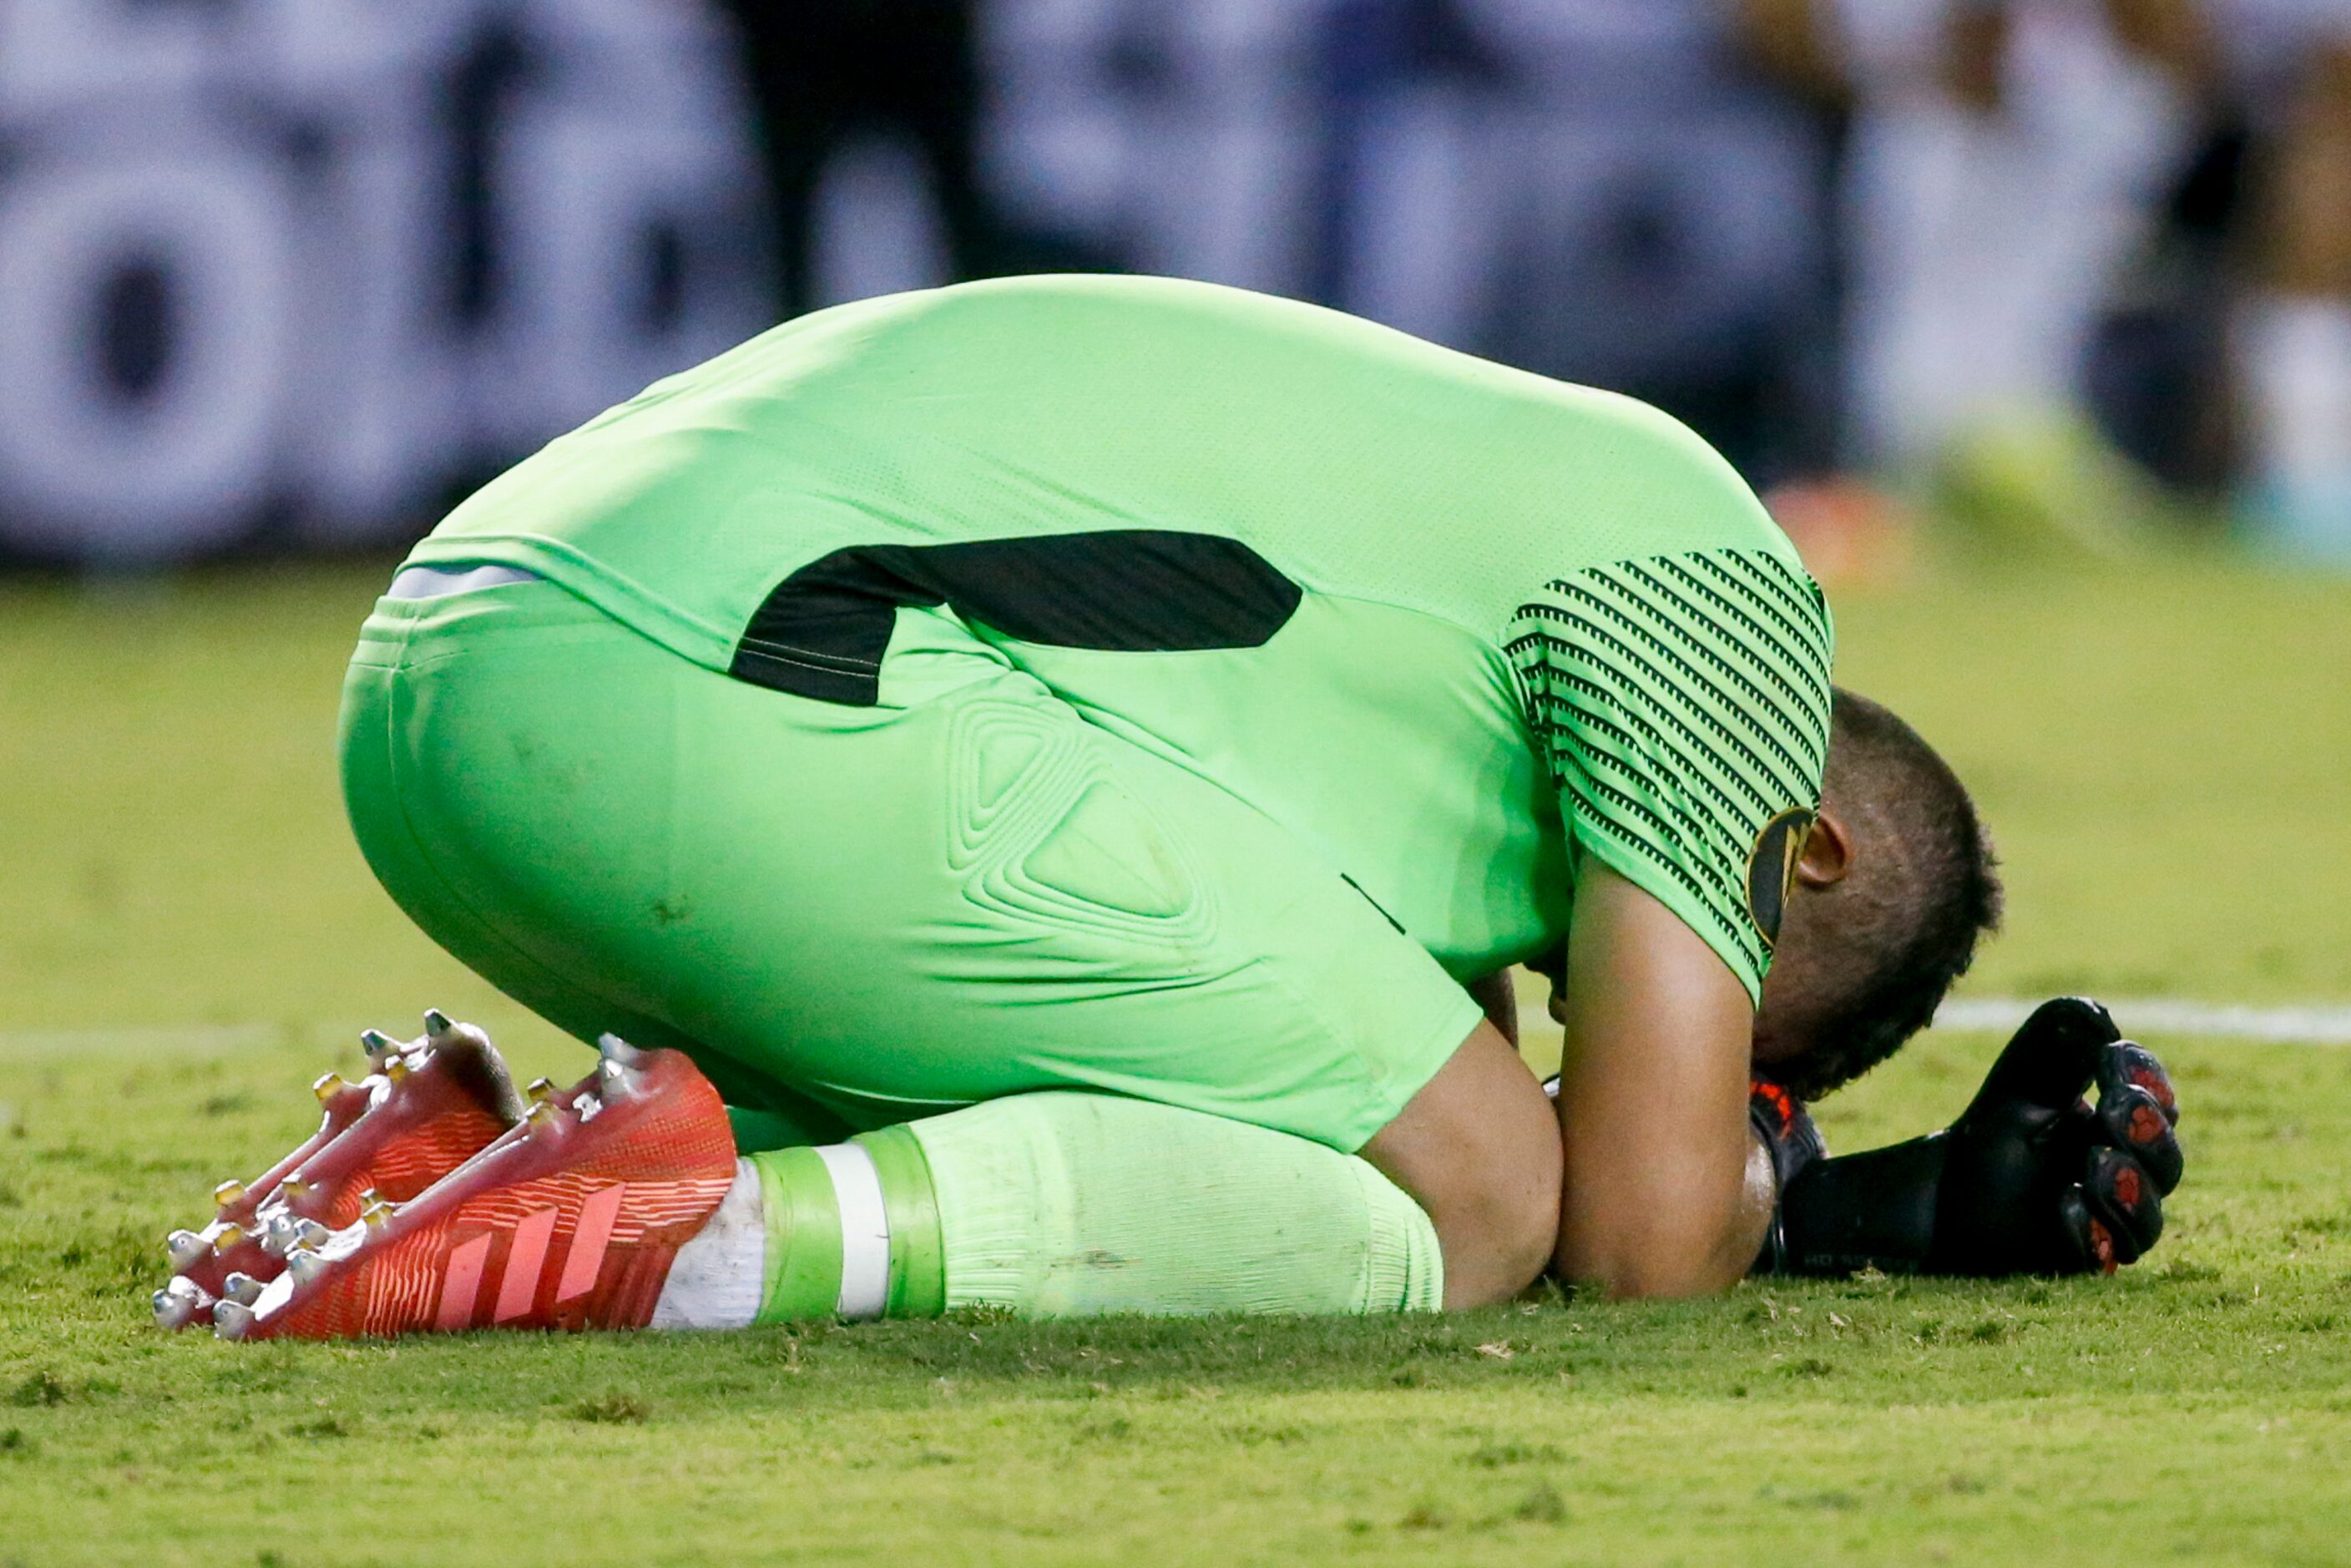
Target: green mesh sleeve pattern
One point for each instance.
(1683, 703)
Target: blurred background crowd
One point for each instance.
(2065, 275)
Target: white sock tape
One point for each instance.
(716, 1279)
(864, 1231)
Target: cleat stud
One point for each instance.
(396, 1067)
(376, 1211)
(177, 1303)
(615, 1049)
(588, 1107)
(305, 1265)
(277, 1233)
(185, 1248)
(227, 1194)
(328, 1086)
(309, 1233)
(241, 1288)
(377, 1044)
(542, 1091)
(617, 1080)
(541, 1115)
(232, 1319)
(436, 1025)
(292, 1189)
(227, 1236)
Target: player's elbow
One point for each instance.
(1651, 1279)
(1639, 1260)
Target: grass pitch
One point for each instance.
(2161, 755)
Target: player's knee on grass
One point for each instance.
(1495, 1241)
(1479, 1149)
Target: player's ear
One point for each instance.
(1828, 852)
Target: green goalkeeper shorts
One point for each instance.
(852, 916)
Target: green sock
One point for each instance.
(1064, 1204)
(852, 1231)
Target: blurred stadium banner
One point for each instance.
(278, 273)
(295, 262)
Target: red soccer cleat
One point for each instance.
(428, 1107)
(569, 1220)
(199, 1258)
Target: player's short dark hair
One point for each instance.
(1925, 885)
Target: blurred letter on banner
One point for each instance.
(309, 261)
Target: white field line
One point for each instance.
(2313, 1023)
(158, 1039)
(2146, 1018)
(2307, 1024)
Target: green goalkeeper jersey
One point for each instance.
(1455, 626)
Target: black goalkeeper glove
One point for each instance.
(2030, 1180)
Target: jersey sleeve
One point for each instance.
(1682, 704)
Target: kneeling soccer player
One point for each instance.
(1044, 774)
